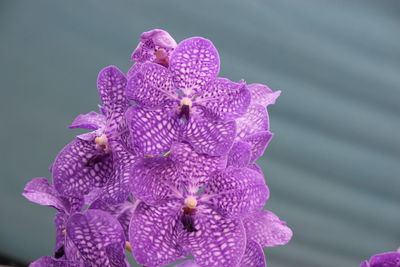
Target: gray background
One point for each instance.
(333, 166)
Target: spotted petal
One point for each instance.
(194, 62)
(123, 212)
(237, 191)
(210, 137)
(91, 121)
(92, 232)
(156, 180)
(258, 143)
(120, 184)
(39, 191)
(224, 100)
(261, 94)
(194, 168)
(153, 235)
(219, 241)
(239, 155)
(111, 84)
(152, 131)
(116, 255)
(255, 120)
(48, 261)
(152, 86)
(265, 228)
(79, 167)
(253, 255)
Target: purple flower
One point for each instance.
(155, 46)
(87, 162)
(387, 259)
(93, 237)
(175, 218)
(185, 102)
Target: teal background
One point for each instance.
(333, 165)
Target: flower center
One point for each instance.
(191, 202)
(186, 104)
(102, 142)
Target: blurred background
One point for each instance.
(333, 166)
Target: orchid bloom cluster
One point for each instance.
(169, 170)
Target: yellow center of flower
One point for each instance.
(191, 202)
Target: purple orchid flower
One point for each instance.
(87, 162)
(387, 259)
(185, 102)
(93, 226)
(155, 46)
(175, 219)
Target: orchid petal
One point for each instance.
(92, 232)
(153, 235)
(111, 84)
(265, 228)
(152, 131)
(237, 191)
(261, 94)
(39, 191)
(79, 167)
(258, 143)
(254, 121)
(194, 62)
(253, 255)
(151, 86)
(156, 180)
(224, 100)
(91, 121)
(239, 155)
(214, 138)
(218, 241)
(194, 169)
